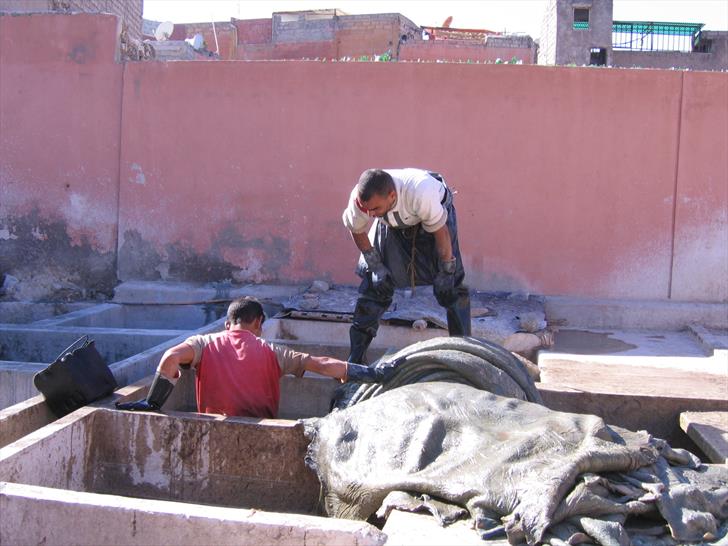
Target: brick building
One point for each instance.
(129, 11)
(334, 35)
(583, 32)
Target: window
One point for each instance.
(581, 18)
(598, 56)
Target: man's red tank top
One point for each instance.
(238, 375)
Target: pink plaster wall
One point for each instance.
(564, 187)
(566, 177)
(60, 99)
(700, 267)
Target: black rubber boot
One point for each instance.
(458, 316)
(369, 307)
(359, 343)
(159, 391)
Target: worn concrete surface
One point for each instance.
(16, 381)
(23, 418)
(23, 343)
(709, 430)
(22, 312)
(575, 312)
(238, 462)
(93, 519)
(157, 292)
(638, 379)
(635, 348)
(165, 317)
(714, 341)
(80, 453)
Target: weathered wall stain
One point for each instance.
(192, 459)
(137, 258)
(81, 53)
(143, 260)
(40, 251)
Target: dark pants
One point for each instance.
(396, 248)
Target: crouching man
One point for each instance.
(413, 241)
(236, 372)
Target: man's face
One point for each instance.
(379, 205)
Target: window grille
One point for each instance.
(653, 36)
(581, 19)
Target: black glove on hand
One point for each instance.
(381, 276)
(158, 393)
(367, 374)
(444, 284)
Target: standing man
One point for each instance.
(236, 372)
(414, 241)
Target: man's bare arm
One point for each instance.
(443, 245)
(346, 371)
(325, 365)
(361, 240)
(173, 357)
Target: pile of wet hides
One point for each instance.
(471, 361)
(511, 466)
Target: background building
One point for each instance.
(583, 32)
(129, 11)
(334, 35)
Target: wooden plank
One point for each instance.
(709, 430)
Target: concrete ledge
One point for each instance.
(25, 312)
(16, 381)
(29, 344)
(659, 415)
(337, 333)
(94, 519)
(101, 311)
(709, 430)
(713, 343)
(625, 314)
(158, 292)
(23, 418)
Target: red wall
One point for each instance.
(588, 182)
(60, 110)
(700, 263)
(254, 31)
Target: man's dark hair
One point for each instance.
(374, 182)
(244, 310)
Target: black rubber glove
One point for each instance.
(367, 374)
(444, 284)
(381, 276)
(158, 393)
